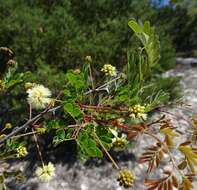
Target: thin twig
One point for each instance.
(48, 110)
(35, 137)
(102, 86)
(23, 135)
(107, 153)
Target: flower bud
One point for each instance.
(8, 125)
(77, 71)
(29, 85)
(88, 58)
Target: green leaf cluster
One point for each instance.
(150, 40)
(88, 145)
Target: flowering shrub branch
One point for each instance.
(105, 118)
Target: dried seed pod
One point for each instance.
(6, 54)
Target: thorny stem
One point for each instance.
(107, 153)
(103, 108)
(26, 134)
(38, 147)
(24, 126)
(91, 76)
(102, 86)
(48, 110)
(2, 130)
(76, 132)
(28, 123)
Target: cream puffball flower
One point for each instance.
(39, 96)
(46, 172)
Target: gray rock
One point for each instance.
(103, 177)
(187, 61)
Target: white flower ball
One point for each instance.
(39, 96)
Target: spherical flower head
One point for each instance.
(46, 172)
(109, 70)
(126, 178)
(39, 96)
(21, 152)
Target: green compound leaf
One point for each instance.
(88, 145)
(105, 136)
(53, 124)
(76, 80)
(67, 93)
(71, 108)
(60, 136)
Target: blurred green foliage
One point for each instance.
(61, 33)
(49, 37)
(178, 20)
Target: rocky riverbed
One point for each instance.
(99, 174)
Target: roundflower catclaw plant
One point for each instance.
(98, 123)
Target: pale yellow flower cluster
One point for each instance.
(46, 172)
(21, 151)
(109, 70)
(138, 111)
(118, 143)
(39, 96)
